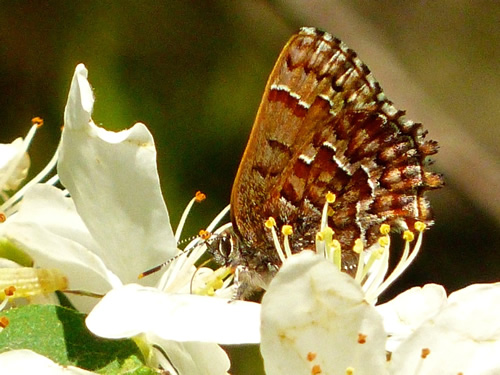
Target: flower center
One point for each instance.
(372, 263)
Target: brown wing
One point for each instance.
(324, 124)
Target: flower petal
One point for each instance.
(315, 320)
(21, 362)
(48, 228)
(191, 357)
(14, 164)
(133, 309)
(113, 180)
(406, 312)
(463, 338)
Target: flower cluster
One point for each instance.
(110, 223)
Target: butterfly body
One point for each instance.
(324, 125)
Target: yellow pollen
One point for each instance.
(358, 246)
(408, 236)
(425, 353)
(287, 230)
(199, 196)
(383, 241)
(38, 121)
(330, 197)
(311, 356)
(9, 291)
(335, 244)
(316, 369)
(361, 338)
(218, 283)
(205, 235)
(270, 222)
(385, 229)
(419, 226)
(328, 233)
(349, 371)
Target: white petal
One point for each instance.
(191, 357)
(133, 309)
(49, 229)
(112, 178)
(406, 312)
(14, 164)
(463, 338)
(22, 362)
(313, 315)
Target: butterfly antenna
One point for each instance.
(166, 263)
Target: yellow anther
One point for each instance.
(320, 236)
(408, 236)
(311, 356)
(330, 211)
(4, 321)
(383, 241)
(358, 246)
(330, 197)
(204, 235)
(335, 245)
(349, 371)
(287, 230)
(38, 121)
(9, 291)
(199, 196)
(362, 338)
(425, 353)
(316, 369)
(218, 283)
(327, 234)
(385, 229)
(270, 222)
(419, 226)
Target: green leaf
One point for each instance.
(61, 335)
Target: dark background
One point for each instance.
(194, 72)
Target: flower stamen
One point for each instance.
(271, 224)
(199, 197)
(287, 231)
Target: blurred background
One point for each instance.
(194, 73)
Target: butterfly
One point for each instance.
(323, 125)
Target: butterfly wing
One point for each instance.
(324, 124)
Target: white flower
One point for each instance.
(113, 181)
(114, 226)
(14, 163)
(315, 320)
(460, 335)
(328, 327)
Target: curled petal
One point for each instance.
(113, 180)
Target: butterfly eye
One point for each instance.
(221, 248)
(225, 246)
